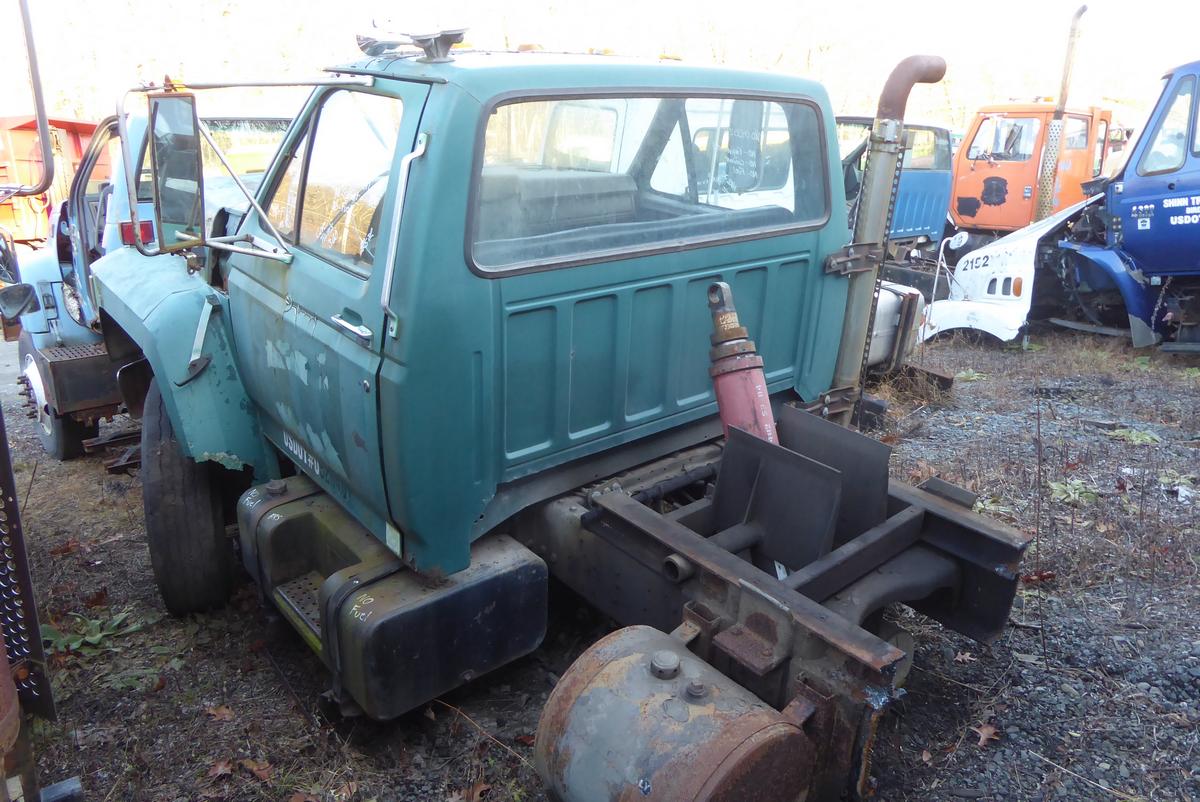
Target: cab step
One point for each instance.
(299, 600)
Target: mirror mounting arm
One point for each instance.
(262, 216)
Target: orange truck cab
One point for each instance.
(996, 170)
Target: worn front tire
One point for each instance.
(185, 525)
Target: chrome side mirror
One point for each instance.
(177, 168)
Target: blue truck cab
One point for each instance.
(464, 336)
(1154, 208)
(923, 196)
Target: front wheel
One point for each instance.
(185, 525)
(61, 436)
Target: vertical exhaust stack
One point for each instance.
(1049, 167)
(875, 212)
(737, 370)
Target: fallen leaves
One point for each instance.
(220, 713)
(343, 794)
(1135, 436)
(920, 472)
(965, 657)
(525, 740)
(1074, 492)
(986, 732)
(221, 768)
(926, 757)
(473, 794)
(68, 546)
(97, 599)
(1037, 577)
(261, 769)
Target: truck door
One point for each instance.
(924, 191)
(92, 193)
(309, 334)
(1159, 198)
(995, 179)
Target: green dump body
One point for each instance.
(507, 380)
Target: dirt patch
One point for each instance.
(1094, 693)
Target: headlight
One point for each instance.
(72, 303)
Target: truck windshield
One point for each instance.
(1005, 139)
(578, 179)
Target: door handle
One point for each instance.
(356, 330)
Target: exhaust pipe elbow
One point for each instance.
(907, 74)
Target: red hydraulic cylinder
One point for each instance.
(737, 370)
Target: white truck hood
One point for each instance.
(992, 287)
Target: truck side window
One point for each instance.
(348, 168)
(851, 135)
(1101, 147)
(285, 203)
(1009, 139)
(335, 213)
(1075, 133)
(926, 149)
(1168, 145)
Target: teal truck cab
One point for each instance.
(476, 328)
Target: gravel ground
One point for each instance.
(1093, 693)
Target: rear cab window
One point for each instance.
(573, 180)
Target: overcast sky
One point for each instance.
(997, 51)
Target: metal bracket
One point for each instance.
(857, 257)
(832, 402)
(198, 362)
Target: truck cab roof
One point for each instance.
(1032, 108)
(1191, 66)
(487, 74)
